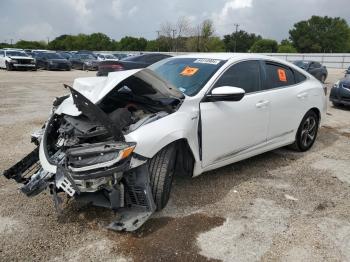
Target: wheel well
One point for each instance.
(317, 112)
(184, 158)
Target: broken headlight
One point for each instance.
(96, 156)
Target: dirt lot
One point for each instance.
(279, 206)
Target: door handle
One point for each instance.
(262, 104)
(302, 95)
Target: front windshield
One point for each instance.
(87, 57)
(53, 56)
(189, 75)
(15, 53)
(302, 64)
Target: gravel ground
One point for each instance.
(279, 206)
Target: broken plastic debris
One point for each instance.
(289, 197)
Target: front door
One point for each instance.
(233, 128)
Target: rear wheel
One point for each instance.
(161, 168)
(307, 132)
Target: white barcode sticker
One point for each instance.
(207, 61)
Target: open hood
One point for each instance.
(96, 88)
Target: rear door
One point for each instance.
(284, 88)
(229, 128)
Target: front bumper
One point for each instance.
(129, 191)
(32, 66)
(340, 95)
(59, 66)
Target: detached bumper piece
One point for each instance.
(23, 170)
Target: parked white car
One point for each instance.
(106, 57)
(15, 58)
(118, 141)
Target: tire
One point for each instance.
(307, 132)
(335, 104)
(161, 168)
(8, 67)
(47, 67)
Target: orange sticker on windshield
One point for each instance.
(282, 75)
(189, 71)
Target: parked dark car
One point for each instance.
(131, 62)
(347, 72)
(84, 62)
(120, 56)
(314, 68)
(87, 52)
(65, 54)
(52, 61)
(340, 92)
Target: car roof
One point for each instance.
(230, 56)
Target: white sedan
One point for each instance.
(118, 141)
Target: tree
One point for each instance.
(242, 39)
(264, 46)
(321, 34)
(23, 44)
(129, 43)
(286, 48)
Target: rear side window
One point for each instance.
(278, 76)
(1, 53)
(245, 75)
(299, 77)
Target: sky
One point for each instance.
(47, 19)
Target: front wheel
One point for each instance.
(161, 168)
(307, 132)
(8, 67)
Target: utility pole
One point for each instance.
(48, 41)
(236, 25)
(174, 45)
(11, 41)
(158, 35)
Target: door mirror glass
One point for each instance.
(225, 93)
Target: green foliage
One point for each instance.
(31, 44)
(321, 34)
(286, 48)
(129, 43)
(264, 46)
(242, 39)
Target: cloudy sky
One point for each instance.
(42, 19)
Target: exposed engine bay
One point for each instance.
(93, 162)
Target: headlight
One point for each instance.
(87, 63)
(14, 61)
(336, 85)
(51, 62)
(102, 155)
(32, 61)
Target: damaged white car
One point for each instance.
(118, 141)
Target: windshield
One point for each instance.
(189, 75)
(53, 56)
(87, 56)
(15, 53)
(302, 64)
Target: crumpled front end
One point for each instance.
(86, 156)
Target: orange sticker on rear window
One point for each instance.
(189, 71)
(282, 75)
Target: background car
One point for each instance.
(16, 59)
(120, 55)
(340, 92)
(130, 62)
(314, 68)
(347, 72)
(106, 57)
(52, 61)
(65, 54)
(84, 61)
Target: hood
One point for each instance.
(58, 60)
(21, 57)
(96, 88)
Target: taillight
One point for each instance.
(116, 67)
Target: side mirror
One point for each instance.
(225, 93)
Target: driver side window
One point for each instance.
(245, 75)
